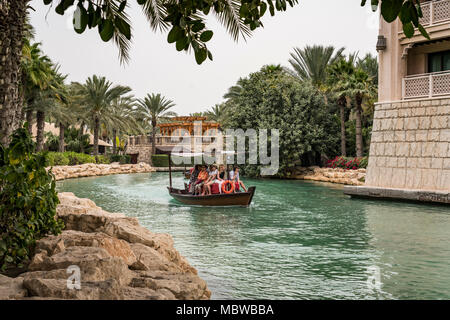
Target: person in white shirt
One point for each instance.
(213, 173)
(235, 178)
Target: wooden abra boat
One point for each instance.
(222, 199)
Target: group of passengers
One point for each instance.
(203, 177)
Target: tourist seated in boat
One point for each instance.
(213, 173)
(220, 177)
(234, 177)
(193, 178)
(201, 179)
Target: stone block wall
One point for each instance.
(410, 146)
(143, 151)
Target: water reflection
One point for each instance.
(298, 240)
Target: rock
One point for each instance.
(163, 243)
(99, 290)
(92, 169)
(334, 175)
(130, 293)
(183, 286)
(148, 259)
(11, 288)
(115, 247)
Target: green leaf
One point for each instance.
(81, 19)
(424, 32)
(390, 9)
(200, 55)
(175, 34)
(408, 29)
(122, 6)
(141, 2)
(123, 27)
(181, 43)
(198, 25)
(206, 35)
(106, 30)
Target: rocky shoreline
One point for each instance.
(116, 257)
(333, 175)
(93, 170)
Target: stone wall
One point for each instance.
(410, 146)
(144, 152)
(333, 175)
(93, 170)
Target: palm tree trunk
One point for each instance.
(359, 141)
(29, 119)
(96, 129)
(61, 137)
(12, 21)
(80, 134)
(343, 139)
(153, 138)
(114, 141)
(40, 123)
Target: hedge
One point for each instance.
(72, 158)
(160, 160)
(122, 159)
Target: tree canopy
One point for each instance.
(187, 19)
(271, 98)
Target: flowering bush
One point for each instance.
(347, 163)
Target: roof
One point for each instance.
(50, 127)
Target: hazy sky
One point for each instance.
(157, 67)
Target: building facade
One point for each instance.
(194, 134)
(410, 145)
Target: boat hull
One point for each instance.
(216, 200)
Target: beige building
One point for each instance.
(410, 146)
(201, 133)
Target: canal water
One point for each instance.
(298, 240)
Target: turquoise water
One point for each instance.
(298, 240)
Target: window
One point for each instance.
(439, 61)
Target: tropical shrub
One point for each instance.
(122, 159)
(160, 160)
(79, 158)
(28, 200)
(57, 159)
(100, 159)
(272, 99)
(348, 163)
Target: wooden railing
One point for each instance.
(426, 85)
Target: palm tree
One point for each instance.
(360, 86)
(370, 65)
(36, 76)
(153, 108)
(310, 63)
(122, 118)
(217, 113)
(234, 91)
(49, 101)
(97, 96)
(337, 85)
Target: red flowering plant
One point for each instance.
(347, 163)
